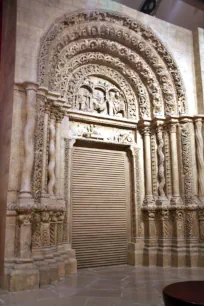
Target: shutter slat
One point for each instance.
(99, 225)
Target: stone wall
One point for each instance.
(199, 66)
(6, 111)
(147, 104)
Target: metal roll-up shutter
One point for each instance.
(99, 207)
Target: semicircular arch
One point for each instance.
(119, 28)
(63, 78)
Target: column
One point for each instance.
(59, 118)
(147, 165)
(199, 153)
(51, 165)
(45, 139)
(71, 143)
(134, 213)
(25, 236)
(176, 199)
(26, 188)
(161, 176)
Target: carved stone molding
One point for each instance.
(63, 76)
(119, 28)
(97, 132)
(186, 143)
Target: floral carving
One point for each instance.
(36, 231)
(38, 144)
(167, 164)
(191, 224)
(120, 29)
(187, 164)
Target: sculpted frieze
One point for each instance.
(103, 133)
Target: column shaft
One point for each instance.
(174, 164)
(58, 155)
(44, 162)
(26, 188)
(51, 166)
(148, 167)
(199, 151)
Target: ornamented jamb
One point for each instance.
(164, 223)
(189, 193)
(136, 198)
(191, 224)
(201, 223)
(38, 145)
(167, 163)
(178, 222)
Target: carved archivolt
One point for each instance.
(81, 78)
(121, 37)
(121, 52)
(63, 79)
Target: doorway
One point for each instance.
(100, 206)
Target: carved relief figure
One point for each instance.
(116, 103)
(100, 96)
(99, 101)
(83, 99)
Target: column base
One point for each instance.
(166, 253)
(176, 201)
(25, 274)
(21, 276)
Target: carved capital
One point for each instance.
(201, 214)
(25, 219)
(172, 126)
(145, 130)
(30, 86)
(150, 214)
(45, 216)
(47, 108)
(134, 150)
(178, 214)
(148, 200)
(59, 115)
(163, 214)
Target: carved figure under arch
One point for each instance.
(134, 38)
(100, 96)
